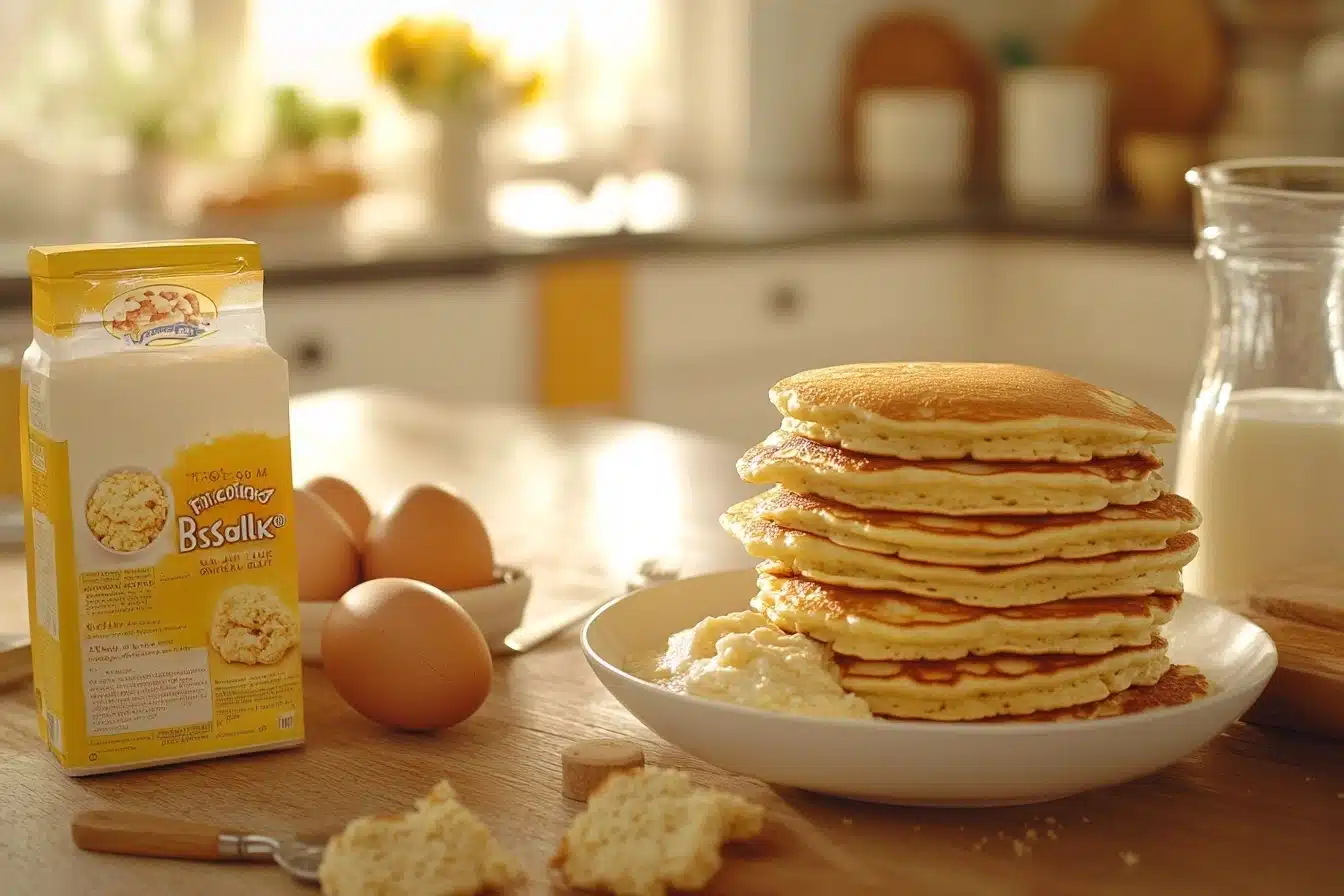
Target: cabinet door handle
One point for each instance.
(785, 300)
(310, 354)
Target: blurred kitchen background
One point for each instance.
(658, 207)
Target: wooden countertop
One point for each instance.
(581, 503)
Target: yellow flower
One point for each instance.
(432, 68)
(531, 89)
(382, 50)
(435, 61)
(392, 56)
(479, 56)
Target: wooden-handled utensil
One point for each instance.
(138, 834)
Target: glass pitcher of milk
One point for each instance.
(1262, 452)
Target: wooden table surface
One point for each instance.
(582, 503)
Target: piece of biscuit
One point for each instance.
(251, 625)
(437, 849)
(650, 830)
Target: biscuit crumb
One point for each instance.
(1031, 833)
(1020, 848)
(438, 847)
(1050, 819)
(1086, 820)
(1129, 858)
(650, 830)
(977, 846)
(846, 821)
(1051, 834)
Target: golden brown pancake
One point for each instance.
(950, 487)
(969, 392)
(828, 458)
(950, 410)
(1001, 667)
(999, 685)
(892, 625)
(1177, 687)
(790, 552)
(979, 540)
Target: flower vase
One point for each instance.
(458, 186)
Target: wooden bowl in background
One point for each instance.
(1154, 166)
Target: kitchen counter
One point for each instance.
(1255, 811)
(380, 239)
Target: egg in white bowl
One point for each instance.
(497, 609)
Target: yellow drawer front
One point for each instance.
(581, 334)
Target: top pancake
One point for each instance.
(947, 411)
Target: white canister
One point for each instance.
(1054, 136)
(914, 140)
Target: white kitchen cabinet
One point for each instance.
(1070, 304)
(710, 334)
(457, 338)
(1130, 319)
(16, 328)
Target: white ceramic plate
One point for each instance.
(923, 763)
(496, 609)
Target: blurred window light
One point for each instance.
(606, 60)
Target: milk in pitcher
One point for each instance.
(1267, 474)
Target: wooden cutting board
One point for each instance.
(919, 50)
(1166, 63)
(1307, 691)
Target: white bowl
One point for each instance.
(496, 609)
(922, 763)
(140, 554)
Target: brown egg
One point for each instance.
(433, 536)
(406, 655)
(328, 558)
(348, 503)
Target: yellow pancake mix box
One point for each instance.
(162, 571)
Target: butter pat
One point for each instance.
(162, 567)
(742, 658)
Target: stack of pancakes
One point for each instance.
(974, 541)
